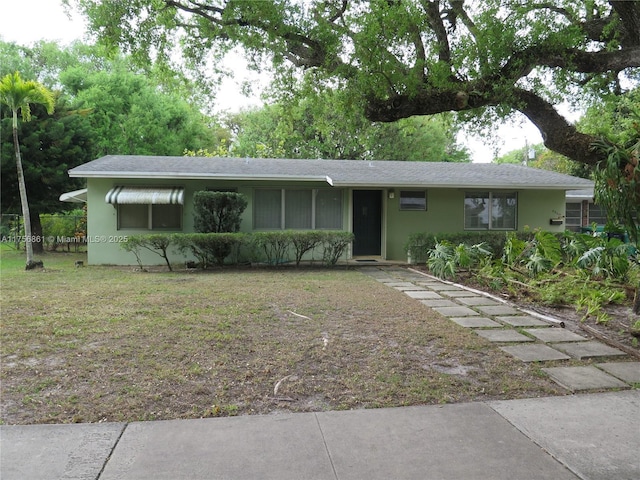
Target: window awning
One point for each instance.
(146, 195)
(77, 196)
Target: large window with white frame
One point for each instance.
(297, 209)
(490, 210)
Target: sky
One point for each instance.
(28, 21)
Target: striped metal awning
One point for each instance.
(146, 195)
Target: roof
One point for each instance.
(353, 173)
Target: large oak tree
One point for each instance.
(485, 59)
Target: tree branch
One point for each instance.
(558, 134)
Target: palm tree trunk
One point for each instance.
(23, 194)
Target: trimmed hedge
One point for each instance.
(274, 248)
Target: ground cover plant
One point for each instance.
(95, 344)
(588, 280)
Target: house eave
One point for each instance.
(200, 176)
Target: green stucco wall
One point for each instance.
(445, 213)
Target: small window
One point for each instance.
(413, 200)
(149, 217)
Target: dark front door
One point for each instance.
(367, 222)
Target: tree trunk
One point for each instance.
(636, 301)
(23, 195)
(36, 231)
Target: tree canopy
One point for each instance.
(402, 58)
(325, 126)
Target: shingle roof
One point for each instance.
(355, 173)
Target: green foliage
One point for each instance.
(334, 245)
(327, 125)
(58, 229)
(540, 253)
(209, 248)
(610, 259)
(305, 241)
(157, 243)
(418, 245)
(274, 245)
(218, 211)
(445, 259)
(398, 59)
(573, 269)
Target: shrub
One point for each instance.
(335, 243)
(157, 243)
(419, 244)
(209, 248)
(305, 241)
(275, 245)
(218, 212)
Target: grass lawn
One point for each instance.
(97, 343)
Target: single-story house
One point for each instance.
(381, 202)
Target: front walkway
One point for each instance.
(523, 334)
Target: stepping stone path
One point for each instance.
(535, 340)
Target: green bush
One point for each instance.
(157, 243)
(334, 245)
(419, 245)
(58, 229)
(209, 248)
(218, 212)
(275, 245)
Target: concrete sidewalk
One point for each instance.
(592, 436)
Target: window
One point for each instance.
(573, 216)
(490, 211)
(597, 214)
(149, 217)
(413, 200)
(297, 209)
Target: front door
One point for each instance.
(367, 222)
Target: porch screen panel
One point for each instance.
(267, 209)
(298, 209)
(503, 211)
(476, 210)
(329, 209)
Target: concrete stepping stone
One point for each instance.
(400, 284)
(522, 321)
(428, 284)
(442, 287)
(536, 352)
(459, 293)
(555, 335)
(583, 378)
(477, 300)
(456, 311)
(589, 349)
(503, 336)
(412, 288)
(626, 371)
(476, 322)
(498, 310)
(422, 294)
(438, 303)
